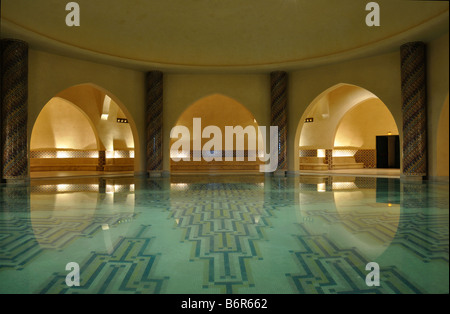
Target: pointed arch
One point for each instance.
(120, 140)
(220, 111)
(335, 115)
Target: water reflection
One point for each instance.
(62, 212)
(247, 234)
(354, 212)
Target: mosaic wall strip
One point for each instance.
(69, 154)
(81, 154)
(225, 153)
(308, 153)
(123, 154)
(368, 157)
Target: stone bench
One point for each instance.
(313, 163)
(347, 162)
(119, 164)
(63, 164)
(188, 166)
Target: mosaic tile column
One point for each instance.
(278, 88)
(1, 115)
(414, 109)
(14, 108)
(329, 158)
(154, 122)
(101, 160)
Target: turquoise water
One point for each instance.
(225, 234)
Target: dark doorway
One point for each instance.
(388, 151)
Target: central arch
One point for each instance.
(219, 111)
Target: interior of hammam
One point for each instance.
(89, 102)
(362, 159)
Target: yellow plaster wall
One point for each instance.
(442, 143)
(437, 97)
(183, 90)
(221, 111)
(61, 125)
(330, 111)
(50, 74)
(360, 126)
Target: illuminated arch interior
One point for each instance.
(82, 129)
(220, 111)
(345, 119)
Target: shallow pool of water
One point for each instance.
(225, 234)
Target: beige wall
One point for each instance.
(221, 111)
(437, 92)
(183, 90)
(360, 126)
(61, 125)
(442, 143)
(50, 74)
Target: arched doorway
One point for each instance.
(340, 129)
(208, 122)
(83, 128)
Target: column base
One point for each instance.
(140, 173)
(412, 178)
(16, 181)
(279, 173)
(443, 179)
(159, 174)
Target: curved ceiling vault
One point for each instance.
(251, 35)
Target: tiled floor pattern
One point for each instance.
(230, 230)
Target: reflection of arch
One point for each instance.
(118, 142)
(67, 210)
(338, 113)
(368, 228)
(442, 142)
(372, 229)
(220, 111)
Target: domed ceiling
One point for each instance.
(222, 35)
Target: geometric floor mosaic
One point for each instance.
(224, 234)
(24, 239)
(326, 268)
(232, 236)
(127, 269)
